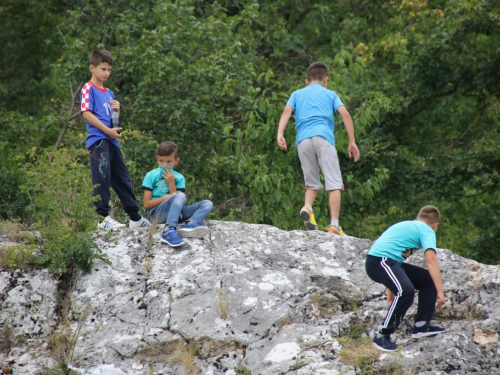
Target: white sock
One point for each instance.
(335, 223)
(421, 323)
(309, 206)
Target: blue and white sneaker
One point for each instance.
(109, 223)
(425, 331)
(384, 343)
(193, 230)
(143, 223)
(171, 238)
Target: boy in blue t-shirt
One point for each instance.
(313, 107)
(106, 161)
(165, 200)
(385, 265)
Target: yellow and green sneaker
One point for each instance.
(307, 216)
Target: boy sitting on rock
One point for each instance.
(165, 200)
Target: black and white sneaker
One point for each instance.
(425, 331)
(384, 343)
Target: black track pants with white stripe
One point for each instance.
(403, 279)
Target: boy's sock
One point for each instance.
(134, 216)
(421, 323)
(381, 335)
(335, 223)
(309, 206)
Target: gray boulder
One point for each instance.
(245, 299)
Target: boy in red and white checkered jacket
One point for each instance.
(106, 160)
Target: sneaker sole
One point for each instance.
(112, 228)
(304, 215)
(425, 334)
(383, 349)
(139, 226)
(171, 245)
(199, 232)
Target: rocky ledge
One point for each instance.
(246, 299)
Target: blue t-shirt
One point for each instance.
(96, 100)
(155, 182)
(313, 107)
(401, 240)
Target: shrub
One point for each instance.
(61, 199)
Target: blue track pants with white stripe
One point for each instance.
(403, 279)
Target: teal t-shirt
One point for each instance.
(313, 107)
(155, 182)
(401, 240)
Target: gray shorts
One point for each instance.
(316, 153)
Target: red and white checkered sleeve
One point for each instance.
(85, 98)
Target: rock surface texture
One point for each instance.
(246, 299)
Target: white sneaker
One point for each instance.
(143, 223)
(110, 223)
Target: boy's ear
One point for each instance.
(307, 82)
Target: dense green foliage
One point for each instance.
(60, 195)
(420, 78)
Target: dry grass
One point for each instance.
(11, 229)
(187, 357)
(5, 340)
(358, 352)
(16, 247)
(223, 305)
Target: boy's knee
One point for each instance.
(179, 196)
(207, 204)
(408, 291)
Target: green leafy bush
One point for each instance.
(61, 204)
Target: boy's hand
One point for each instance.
(114, 133)
(281, 142)
(168, 175)
(352, 150)
(115, 104)
(440, 299)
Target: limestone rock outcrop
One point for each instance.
(245, 299)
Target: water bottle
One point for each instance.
(115, 119)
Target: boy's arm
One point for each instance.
(149, 203)
(285, 117)
(112, 133)
(352, 149)
(433, 267)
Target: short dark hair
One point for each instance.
(317, 71)
(99, 56)
(167, 148)
(429, 214)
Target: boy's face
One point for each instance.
(167, 161)
(101, 72)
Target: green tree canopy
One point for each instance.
(420, 78)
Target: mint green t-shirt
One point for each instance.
(155, 182)
(401, 240)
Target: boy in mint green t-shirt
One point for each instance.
(385, 264)
(165, 199)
